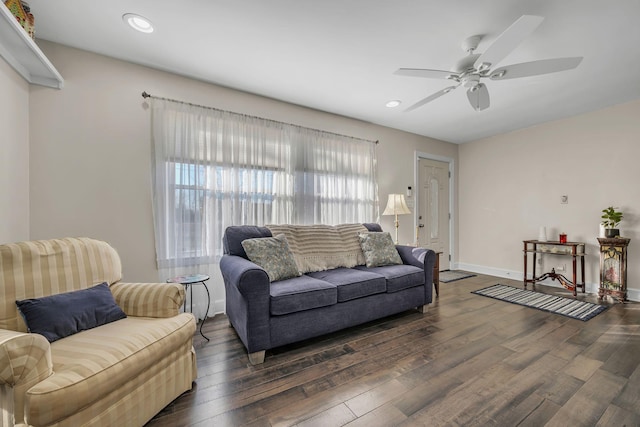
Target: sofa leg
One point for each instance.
(422, 308)
(257, 357)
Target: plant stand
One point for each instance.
(613, 268)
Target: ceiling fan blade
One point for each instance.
(535, 68)
(509, 40)
(478, 97)
(423, 72)
(430, 98)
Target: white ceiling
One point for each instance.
(339, 55)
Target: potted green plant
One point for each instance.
(610, 220)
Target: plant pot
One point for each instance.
(611, 232)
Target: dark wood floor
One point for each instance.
(470, 360)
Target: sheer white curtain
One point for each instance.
(212, 169)
(335, 179)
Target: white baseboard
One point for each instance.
(592, 288)
(218, 307)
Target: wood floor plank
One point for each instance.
(582, 367)
(589, 403)
(538, 416)
(468, 399)
(528, 408)
(625, 361)
(616, 416)
(468, 361)
(376, 397)
(629, 396)
(506, 397)
(383, 416)
(560, 389)
(566, 350)
(479, 363)
(316, 403)
(425, 394)
(337, 416)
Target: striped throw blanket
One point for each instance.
(323, 247)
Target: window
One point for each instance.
(213, 169)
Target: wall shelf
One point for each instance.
(24, 55)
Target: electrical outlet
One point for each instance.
(564, 200)
(562, 267)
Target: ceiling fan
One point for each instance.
(469, 71)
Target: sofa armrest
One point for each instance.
(247, 300)
(23, 357)
(248, 277)
(422, 258)
(149, 299)
(25, 360)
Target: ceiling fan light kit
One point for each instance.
(469, 70)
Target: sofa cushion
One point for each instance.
(273, 255)
(352, 283)
(58, 316)
(379, 249)
(91, 364)
(301, 293)
(399, 277)
(234, 235)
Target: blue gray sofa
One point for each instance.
(268, 314)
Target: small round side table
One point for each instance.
(188, 281)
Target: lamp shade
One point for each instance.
(396, 205)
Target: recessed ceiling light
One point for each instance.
(393, 104)
(137, 22)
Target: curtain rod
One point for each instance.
(148, 95)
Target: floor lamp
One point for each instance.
(396, 206)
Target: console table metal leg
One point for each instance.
(206, 313)
(188, 282)
(184, 305)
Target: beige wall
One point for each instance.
(511, 184)
(90, 151)
(14, 156)
(88, 172)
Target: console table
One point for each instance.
(573, 249)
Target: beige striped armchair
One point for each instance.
(119, 374)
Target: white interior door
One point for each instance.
(433, 210)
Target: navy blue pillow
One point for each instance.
(61, 315)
